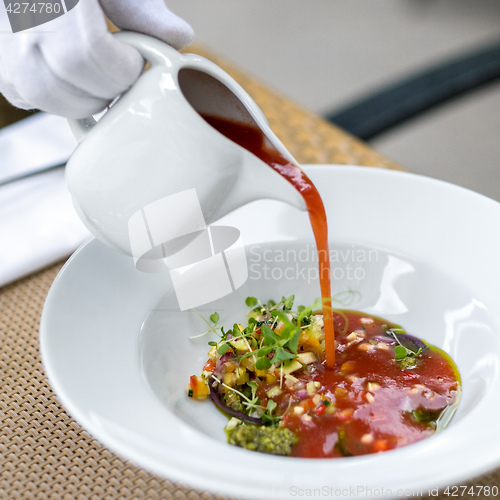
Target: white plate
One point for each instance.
(420, 252)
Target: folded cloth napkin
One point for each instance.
(38, 224)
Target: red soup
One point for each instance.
(370, 402)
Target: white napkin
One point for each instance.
(38, 224)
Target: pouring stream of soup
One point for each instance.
(252, 139)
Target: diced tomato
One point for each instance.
(193, 384)
(320, 409)
(209, 366)
(380, 445)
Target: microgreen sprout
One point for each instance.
(223, 349)
(400, 352)
(268, 417)
(251, 301)
(346, 297)
(212, 324)
(404, 354)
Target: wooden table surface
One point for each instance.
(44, 453)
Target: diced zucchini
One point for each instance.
(291, 366)
(312, 387)
(274, 391)
(240, 345)
(234, 422)
(212, 353)
(291, 379)
(305, 358)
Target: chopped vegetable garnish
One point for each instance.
(387, 388)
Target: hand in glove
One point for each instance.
(72, 66)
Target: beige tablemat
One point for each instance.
(44, 453)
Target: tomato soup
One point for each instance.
(370, 402)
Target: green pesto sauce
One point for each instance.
(273, 440)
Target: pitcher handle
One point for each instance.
(153, 50)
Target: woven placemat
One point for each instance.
(44, 453)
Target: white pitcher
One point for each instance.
(153, 143)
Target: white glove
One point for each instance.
(72, 66)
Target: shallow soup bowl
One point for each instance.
(420, 252)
